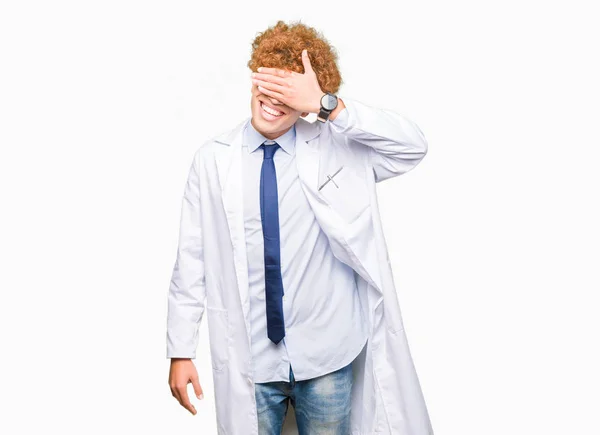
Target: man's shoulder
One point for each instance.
(220, 140)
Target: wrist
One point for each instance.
(341, 106)
(326, 102)
(317, 106)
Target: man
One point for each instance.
(281, 243)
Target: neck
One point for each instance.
(271, 136)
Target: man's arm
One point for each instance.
(396, 144)
(187, 295)
(341, 106)
(187, 291)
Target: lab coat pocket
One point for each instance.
(346, 192)
(218, 334)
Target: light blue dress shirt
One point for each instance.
(324, 320)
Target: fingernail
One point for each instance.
(253, 74)
(201, 396)
(258, 69)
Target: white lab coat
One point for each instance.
(210, 273)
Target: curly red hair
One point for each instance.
(281, 45)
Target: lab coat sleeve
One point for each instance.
(187, 291)
(396, 144)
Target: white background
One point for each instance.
(494, 237)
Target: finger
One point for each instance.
(306, 61)
(274, 71)
(175, 392)
(185, 400)
(275, 95)
(197, 388)
(271, 78)
(270, 86)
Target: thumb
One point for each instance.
(197, 387)
(306, 61)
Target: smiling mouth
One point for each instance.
(272, 113)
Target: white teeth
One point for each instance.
(271, 111)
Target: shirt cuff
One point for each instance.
(341, 120)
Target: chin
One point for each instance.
(272, 123)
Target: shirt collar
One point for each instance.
(253, 139)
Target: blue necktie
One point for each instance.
(269, 214)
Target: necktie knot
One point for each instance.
(269, 150)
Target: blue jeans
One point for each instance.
(322, 404)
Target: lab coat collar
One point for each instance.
(304, 131)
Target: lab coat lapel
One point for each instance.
(308, 157)
(348, 246)
(229, 168)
